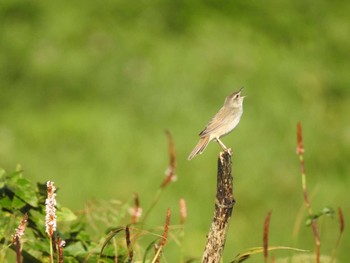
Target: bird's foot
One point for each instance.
(230, 151)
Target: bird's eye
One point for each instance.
(237, 96)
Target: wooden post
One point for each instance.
(223, 209)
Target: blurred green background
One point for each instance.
(87, 89)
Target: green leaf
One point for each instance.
(2, 178)
(109, 237)
(17, 203)
(105, 260)
(256, 250)
(75, 249)
(82, 235)
(6, 202)
(6, 221)
(23, 189)
(328, 211)
(148, 249)
(69, 259)
(77, 226)
(34, 251)
(65, 215)
(39, 221)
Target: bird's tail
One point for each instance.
(200, 147)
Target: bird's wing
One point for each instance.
(216, 122)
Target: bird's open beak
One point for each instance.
(240, 93)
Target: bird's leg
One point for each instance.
(221, 144)
(229, 150)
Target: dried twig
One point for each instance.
(170, 173)
(128, 244)
(163, 240)
(183, 211)
(341, 221)
(60, 244)
(266, 235)
(136, 211)
(341, 231)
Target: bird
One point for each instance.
(221, 124)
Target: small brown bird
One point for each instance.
(223, 123)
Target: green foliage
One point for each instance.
(80, 246)
(18, 196)
(243, 256)
(327, 211)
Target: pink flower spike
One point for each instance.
(50, 202)
(21, 228)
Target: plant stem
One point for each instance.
(300, 152)
(51, 251)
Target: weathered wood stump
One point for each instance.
(223, 209)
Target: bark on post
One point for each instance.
(223, 209)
